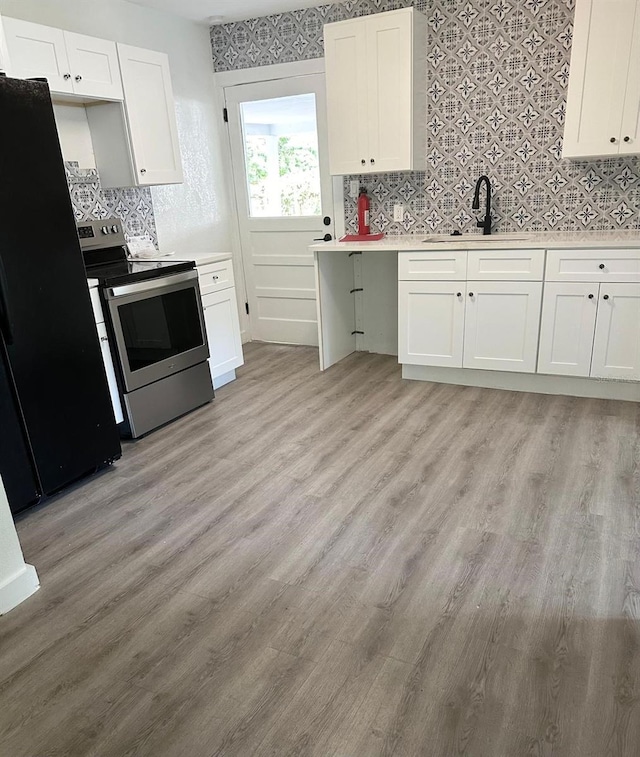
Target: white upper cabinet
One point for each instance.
(94, 66)
(38, 51)
(376, 92)
(4, 55)
(603, 100)
(151, 115)
(73, 64)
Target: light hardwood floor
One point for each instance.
(340, 565)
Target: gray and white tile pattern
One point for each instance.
(497, 81)
(133, 205)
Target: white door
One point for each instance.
(431, 322)
(151, 115)
(94, 66)
(602, 41)
(277, 132)
(567, 329)
(390, 91)
(347, 81)
(223, 331)
(616, 348)
(502, 325)
(38, 51)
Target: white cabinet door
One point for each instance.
(346, 83)
(107, 359)
(567, 329)
(94, 66)
(431, 322)
(501, 325)
(603, 75)
(151, 115)
(376, 92)
(389, 65)
(4, 55)
(223, 331)
(616, 348)
(38, 51)
(631, 113)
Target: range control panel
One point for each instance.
(104, 233)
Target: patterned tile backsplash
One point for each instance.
(90, 202)
(496, 90)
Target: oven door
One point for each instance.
(158, 327)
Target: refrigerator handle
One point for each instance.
(5, 318)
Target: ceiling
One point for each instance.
(229, 10)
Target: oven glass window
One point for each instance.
(161, 327)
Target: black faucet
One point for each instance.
(486, 224)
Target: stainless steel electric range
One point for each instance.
(156, 329)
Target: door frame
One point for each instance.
(223, 79)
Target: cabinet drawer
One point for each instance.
(96, 305)
(593, 265)
(439, 265)
(505, 265)
(214, 277)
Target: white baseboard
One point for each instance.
(224, 379)
(18, 588)
(527, 382)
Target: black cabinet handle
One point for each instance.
(372, 161)
(78, 78)
(325, 238)
(612, 140)
(66, 77)
(606, 297)
(627, 139)
(326, 221)
(470, 294)
(601, 266)
(363, 161)
(590, 296)
(459, 294)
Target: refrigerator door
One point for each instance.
(54, 354)
(16, 466)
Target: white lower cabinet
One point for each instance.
(616, 346)
(431, 322)
(223, 333)
(502, 325)
(567, 329)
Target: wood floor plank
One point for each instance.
(341, 564)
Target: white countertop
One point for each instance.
(523, 241)
(200, 258)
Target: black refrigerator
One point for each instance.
(56, 419)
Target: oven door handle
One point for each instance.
(163, 282)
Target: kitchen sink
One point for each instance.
(475, 238)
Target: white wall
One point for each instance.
(17, 580)
(194, 215)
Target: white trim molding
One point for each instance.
(18, 587)
(267, 73)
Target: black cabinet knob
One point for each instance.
(612, 140)
(601, 266)
(459, 294)
(606, 297)
(78, 78)
(470, 294)
(590, 296)
(627, 139)
(363, 161)
(372, 161)
(326, 221)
